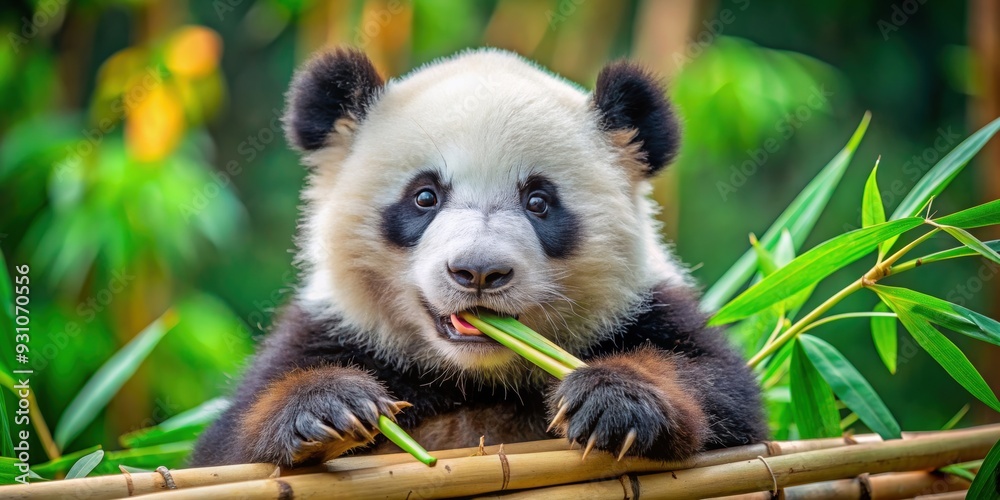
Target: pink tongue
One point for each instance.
(463, 326)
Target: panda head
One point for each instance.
(479, 181)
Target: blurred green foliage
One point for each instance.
(141, 167)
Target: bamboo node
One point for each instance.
(864, 481)
(505, 466)
(168, 480)
(773, 448)
(774, 479)
(630, 486)
(128, 480)
(849, 438)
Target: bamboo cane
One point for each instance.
(126, 485)
(483, 474)
(770, 448)
(116, 486)
(955, 495)
(888, 486)
(926, 452)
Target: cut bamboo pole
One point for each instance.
(116, 486)
(364, 461)
(126, 485)
(954, 495)
(888, 486)
(766, 474)
(484, 474)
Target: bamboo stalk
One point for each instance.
(116, 486)
(456, 476)
(888, 486)
(736, 474)
(954, 495)
(126, 485)
(926, 452)
(366, 461)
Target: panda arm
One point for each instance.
(303, 386)
(668, 380)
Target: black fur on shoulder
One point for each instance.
(341, 83)
(628, 97)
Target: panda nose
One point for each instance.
(480, 276)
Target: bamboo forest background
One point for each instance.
(143, 170)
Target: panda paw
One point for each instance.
(612, 407)
(316, 414)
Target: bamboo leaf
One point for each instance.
(784, 250)
(765, 261)
(810, 268)
(798, 218)
(949, 356)
(939, 176)
(777, 362)
(872, 211)
(951, 316)
(6, 290)
(960, 471)
(85, 465)
(169, 455)
(972, 242)
(62, 464)
(984, 487)
(850, 386)
(986, 214)
(955, 419)
(952, 253)
(813, 405)
(6, 444)
(885, 337)
(103, 385)
(184, 426)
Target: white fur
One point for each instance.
(484, 120)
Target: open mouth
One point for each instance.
(456, 329)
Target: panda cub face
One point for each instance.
(477, 182)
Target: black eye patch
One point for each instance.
(558, 229)
(404, 222)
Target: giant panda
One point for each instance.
(482, 181)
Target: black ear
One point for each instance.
(629, 98)
(338, 84)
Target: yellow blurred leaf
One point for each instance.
(193, 52)
(155, 125)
